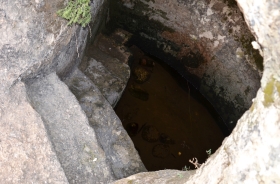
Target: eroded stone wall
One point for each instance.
(251, 153)
(206, 41)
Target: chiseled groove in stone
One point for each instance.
(74, 140)
(118, 147)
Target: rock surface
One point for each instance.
(251, 153)
(106, 65)
(35, 45)
(109, 84)
(52, 143)
(34, 42)
(74, 141)
(119, 149)
(206, 41)
(26, 152)
(164, 176)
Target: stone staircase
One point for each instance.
(88, 137)
(106, 63)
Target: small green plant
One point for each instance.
(180, 175)
(208, 152)
(76, 11)
(186, 168)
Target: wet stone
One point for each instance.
(138, 92)
(150, 134)
(141, 74)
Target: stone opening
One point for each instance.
(211, 50)
(168, 120)
(39, 45)
(206, 42)
(51, 135)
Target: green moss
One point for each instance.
(76, 12)
(268, 92)
(130, 182)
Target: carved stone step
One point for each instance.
(74, 141)
(108, 83)
(119, 149)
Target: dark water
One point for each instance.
(168, 121)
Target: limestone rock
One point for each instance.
(116, 67)
(162, 177)
(109, 84)
(34, 42)
(112, 45)
(251, 153)
(111, 71)
(26, 152)
(79, 153)
(119, 149)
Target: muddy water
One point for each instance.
(166, 123)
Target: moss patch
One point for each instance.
(76, 12)
(271, 87)
(130, 182)
(268, 92)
